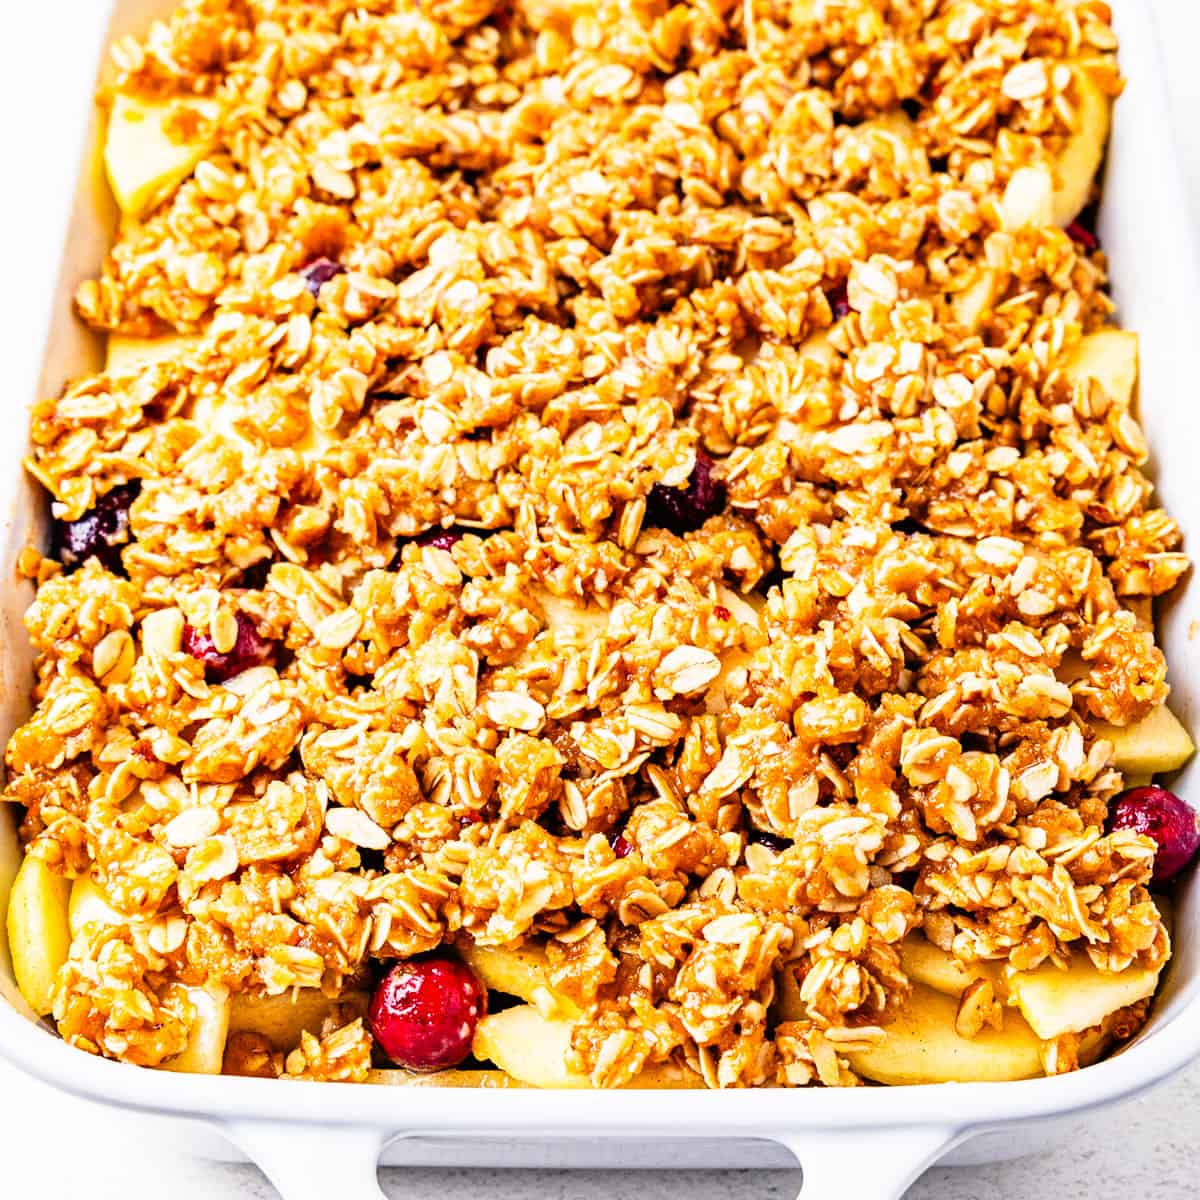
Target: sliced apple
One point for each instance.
(533, 1049)
(89, 906)
(922, 1046)
(446, 1079)
(1154, 745)
(39, 936)
(282, 1019)
(523, 972)
(927, 964)
(127, 355)
(1109, 356)
(144, 163)
(1079, 161)
(205, 1051)
(1055, 1001)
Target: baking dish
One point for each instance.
(866, 1143)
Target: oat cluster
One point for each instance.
(598, 253)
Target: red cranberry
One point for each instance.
(424, 1012)
(101, 532)
(721, 612)
(250, 650)
(772, 841)
(1081, 235)
(319, 272)
(839, 301)
(682, 510)
(441, 539)
(622, 847)
(1166, 819)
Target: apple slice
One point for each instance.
(523, 972)
(205, 1051)
(927, 964)
(144, 163)
(1079, 161)
(447, 1079)
(282, 1019)
(89, 906)
(1109, 356)
(1156, 744)
(533, 1049)
(39, 936)
(1055, 1001)
(922, 1046)
(128, 355)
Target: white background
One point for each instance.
(53, 1147)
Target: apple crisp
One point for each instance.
(643, 501)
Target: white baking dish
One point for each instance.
(317, 1140)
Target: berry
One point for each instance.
(319, 272)
(1164, 818)
(1083, 236)
(440, 538)
(682, 510)
(772, 841)
(424, 1012)
(100, 533)
(622, 847)
(839, 301)
(250, 650)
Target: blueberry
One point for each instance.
(319, 272)
(100, 533)
(684, 509)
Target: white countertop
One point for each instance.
(55, 1146)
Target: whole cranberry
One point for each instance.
(319, 272)
(101, 532)
(250, 650)
(682, 510)
(424, 1012)
(1166, 819)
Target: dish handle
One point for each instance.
(866, 1164)
(313, 1162)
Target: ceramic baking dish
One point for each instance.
(316, 1140)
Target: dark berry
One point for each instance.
(424, 1012)
(622, 847)
(839, 301)
(721, 612)
(682, 510)
(772, 841)
(1081, 235)
(1164, 818)
(250, 650)
(100, 533)
(442, 539)
(319, 272)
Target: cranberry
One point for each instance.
(622, 847)
(1083, 236)
(250, 650)
(839, 301)
(772, 841)
(319, 272)
(1162, 816)
(438, 537)
(424, 1012)
(721, 612)
(100, 533)
(684, 509)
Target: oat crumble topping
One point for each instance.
(786, 570)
